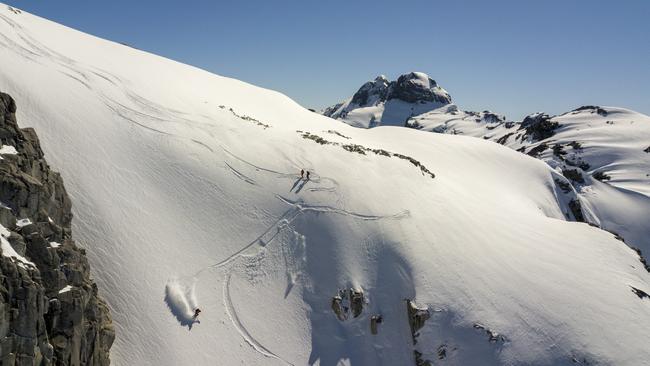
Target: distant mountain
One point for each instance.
(383, 102)
(603, 151)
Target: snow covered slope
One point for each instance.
(604, 151)
(390, 103)
(188, 184)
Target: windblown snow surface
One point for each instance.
(186, 193)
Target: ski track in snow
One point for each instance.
(263, 240)
(269, 234)
(232, 314)
(240, 175)
(267, 237)
(302, 207)
(75, 71)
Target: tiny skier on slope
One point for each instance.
(307, 175)
(196, 313)
(302, 173)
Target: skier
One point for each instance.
(302, 173)
(307, 175)
(196, 313)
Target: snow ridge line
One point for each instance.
(230, 310)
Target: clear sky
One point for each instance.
(513, 57)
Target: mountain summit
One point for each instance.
(384, 102)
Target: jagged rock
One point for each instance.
(601, 176)
(339, 309)
(493, 336)
(375, 320)
(356, 302)
(564, 186)
(345, 301)
(376, 89)
(419, 361)
(491, 117)
(442, 352)
(417, 87)
(539, 126)
(574, 175)
(417, 317)
(576, 210)
(39, 325)
(640, 293)
(535, 151)
(593, 109)
(641, 258)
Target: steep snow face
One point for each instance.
(188, 185)
(383, 102)
(603, 151)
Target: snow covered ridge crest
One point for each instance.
(50, 312)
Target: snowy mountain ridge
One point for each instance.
(187, 184)
(603, 151)
(383, 102)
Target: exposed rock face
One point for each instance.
(340, 310)
(356, 302)
(417, 316)
(50, 312)
(593, 109)
(375, 320)
(539, 126)
(376, 90)
(416, 89)
(346, 301)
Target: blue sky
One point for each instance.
(512, 57)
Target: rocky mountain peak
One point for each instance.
(417, 87)
(380, 101)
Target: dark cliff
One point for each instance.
(50, 310)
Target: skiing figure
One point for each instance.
(196, 313)
(307, 175)
(302, 173)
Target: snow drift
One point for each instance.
(176, 172)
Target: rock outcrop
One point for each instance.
(417, 317)
(416, 87)
(50, 311)
(346, 301)
(539, 126)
